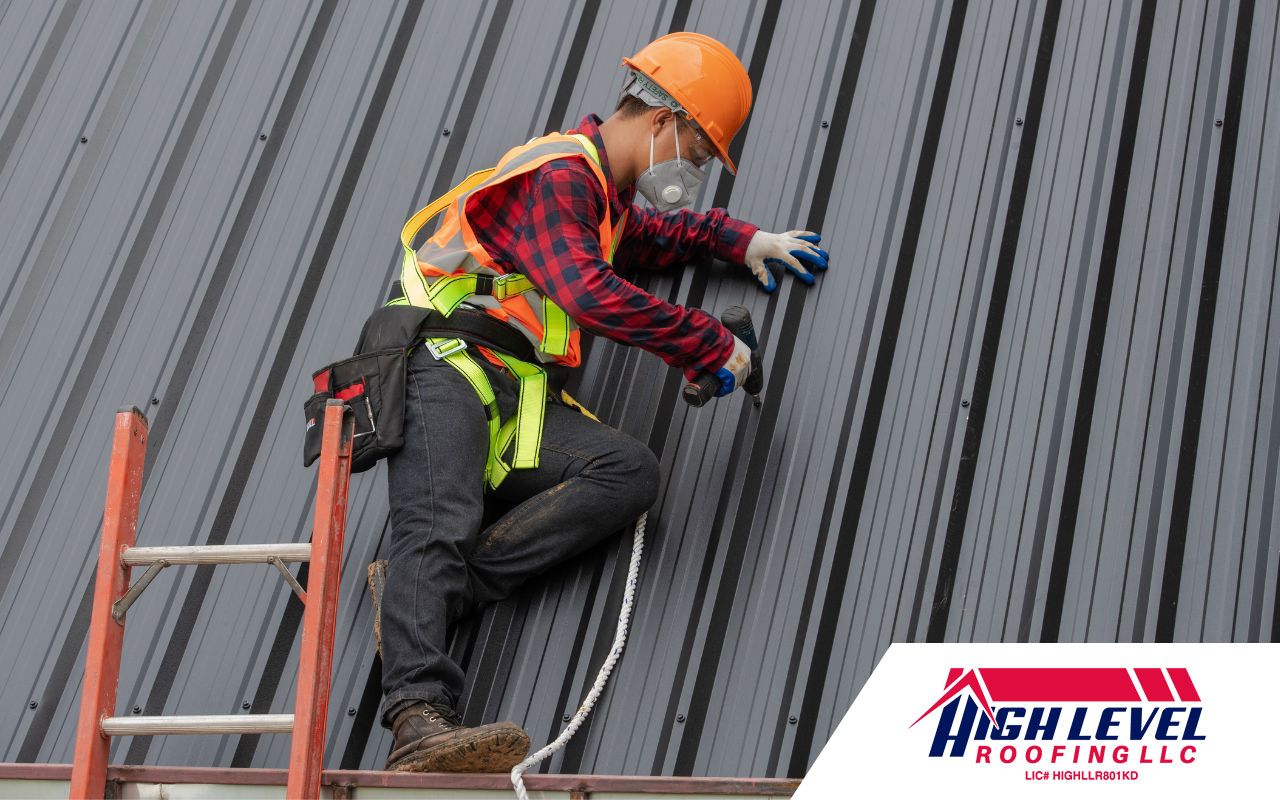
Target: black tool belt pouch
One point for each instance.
(372, 383)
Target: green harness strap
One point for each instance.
(533, 388)
(447, 293)
(526, 426)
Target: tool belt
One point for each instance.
(372, 381)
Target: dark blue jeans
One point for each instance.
(592, 482)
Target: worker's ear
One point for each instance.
(659, 120)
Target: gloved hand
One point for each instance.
(733, 373)
(786, 249)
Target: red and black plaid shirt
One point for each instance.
(545, 225)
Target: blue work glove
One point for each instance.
(733, 373)
(787, 249)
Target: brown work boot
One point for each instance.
(430, 737)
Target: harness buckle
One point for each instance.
(500, 289)
(446, 348)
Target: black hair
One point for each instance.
(631, 106)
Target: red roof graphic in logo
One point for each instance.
(1067, 685)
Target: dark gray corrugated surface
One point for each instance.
(1035, 398)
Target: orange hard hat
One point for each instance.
(705, 78)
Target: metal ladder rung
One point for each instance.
(206, 723)
(217, 554)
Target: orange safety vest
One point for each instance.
(452, 266)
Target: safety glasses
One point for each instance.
(702, 151)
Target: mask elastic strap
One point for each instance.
(675, 127)
(651, 154)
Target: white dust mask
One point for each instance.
(672, 184)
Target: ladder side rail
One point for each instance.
(315, 663)
(106, 636)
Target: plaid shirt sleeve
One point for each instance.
(657, 241)
(557, 246)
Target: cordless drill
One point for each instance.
(738, 320)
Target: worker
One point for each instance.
(540, 246)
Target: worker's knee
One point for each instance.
(639, 475)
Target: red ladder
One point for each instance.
(112, 596)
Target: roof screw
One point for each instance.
(793, 719)
(245, 705)
(445, 132)
(964, 403)
(1218, 122)
(351, 712)
(137, 709)
(262, 137)
(826, 124)
(32, 705)
(84, 140)
(155, 401)
(679, 717)
(1018, 121)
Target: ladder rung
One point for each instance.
(217, 554)
(205, 723)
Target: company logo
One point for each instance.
(1067, 717)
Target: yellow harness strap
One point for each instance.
(525, 427)
(454, 353)
(447, 293)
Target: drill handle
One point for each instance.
(738, 320)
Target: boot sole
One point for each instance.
(492, 751)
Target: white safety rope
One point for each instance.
(619, 639)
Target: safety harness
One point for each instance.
(447, 293)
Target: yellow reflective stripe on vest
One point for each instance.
(555, 328)
(590, 147)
